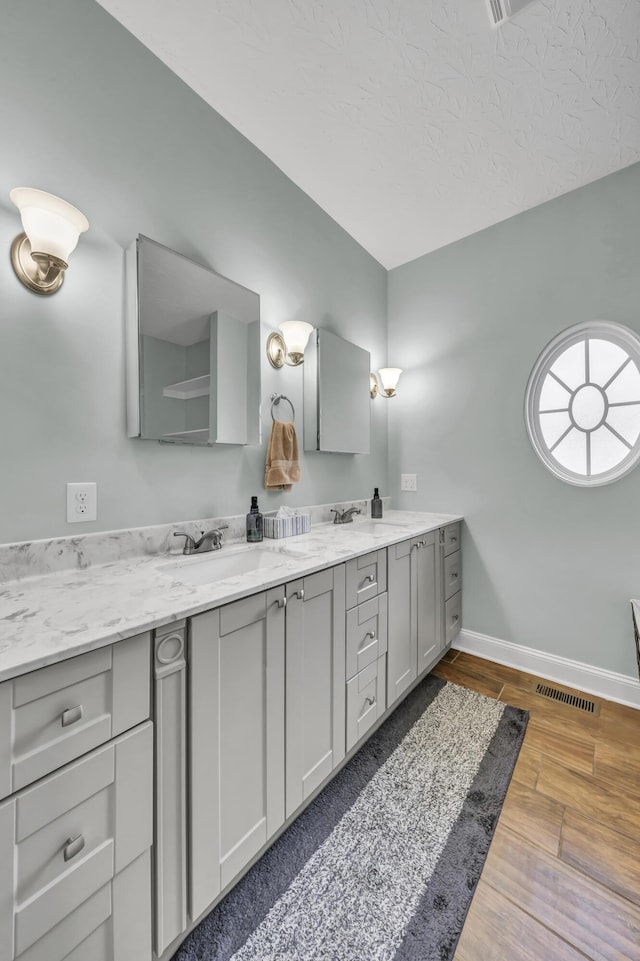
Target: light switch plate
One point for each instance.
(408, 482)
(82, 502)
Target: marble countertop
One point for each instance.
(47, 618)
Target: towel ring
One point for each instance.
(275, 400)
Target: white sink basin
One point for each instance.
(374, 528)
(196, 569)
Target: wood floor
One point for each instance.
(562, 878)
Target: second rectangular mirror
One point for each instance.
(337, 408)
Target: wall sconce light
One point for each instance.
(288, 347)
(52, 227)
(389, 377)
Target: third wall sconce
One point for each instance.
(389, 377)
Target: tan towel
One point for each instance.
(283, 467)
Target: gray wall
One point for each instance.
(546, 565)
(88, 113)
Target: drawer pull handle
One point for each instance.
(371, 578)
(73, 846)
(72, 715)
(454, 576)
(455, 618)
(281, 602)
(423, 543)
(453, 539)
(371, 634)
(370, 701)
(299, 594)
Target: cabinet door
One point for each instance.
(315, 681)
(425, 586)
(236, 756)
(402, 635)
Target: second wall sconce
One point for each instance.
(288, 346)
(389, 377)
(52, 226)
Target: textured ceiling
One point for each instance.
(413, 123)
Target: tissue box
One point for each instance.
(273, 526)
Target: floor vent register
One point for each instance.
(572, 700)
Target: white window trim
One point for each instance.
(618, 334)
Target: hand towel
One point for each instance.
(283, 468)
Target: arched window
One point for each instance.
(582, 404)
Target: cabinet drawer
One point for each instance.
(452, 574)
(65, 838)
(366, 634)
(452, 617)
(451, 538)
(365, 700)
(114, 924)
(58, 713)
(366, 577)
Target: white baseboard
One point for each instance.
(584, 677)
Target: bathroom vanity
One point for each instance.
(156, 736)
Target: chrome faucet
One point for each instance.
(210, 541)
(345, 517)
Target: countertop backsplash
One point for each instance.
(79, 552)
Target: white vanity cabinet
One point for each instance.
(236, 713)
(415, 611)
(75, 869)
(259, 701)
(315, 682)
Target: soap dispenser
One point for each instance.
(376, 504)
(254, 523)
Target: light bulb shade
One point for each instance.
(389, 377)
(52, 225)
(296, 335)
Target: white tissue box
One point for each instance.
(273, 526)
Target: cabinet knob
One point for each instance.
(281, 602)
(423, 543)
(299, 594)
(454, 539)
(370, 701)
(71, 715)
(73, 846)
(371, 578)
(371, 634)
(455, 618)
(454, 575)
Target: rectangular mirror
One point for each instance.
(337, 404)
(193, 351)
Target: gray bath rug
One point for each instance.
(383, 864)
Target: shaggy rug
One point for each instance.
(383, 864)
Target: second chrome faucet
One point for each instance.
(345, 517)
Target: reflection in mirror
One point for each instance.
(193, 351)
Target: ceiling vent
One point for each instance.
(502, 10)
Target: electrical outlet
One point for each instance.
(82, 502)
(408, 482)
